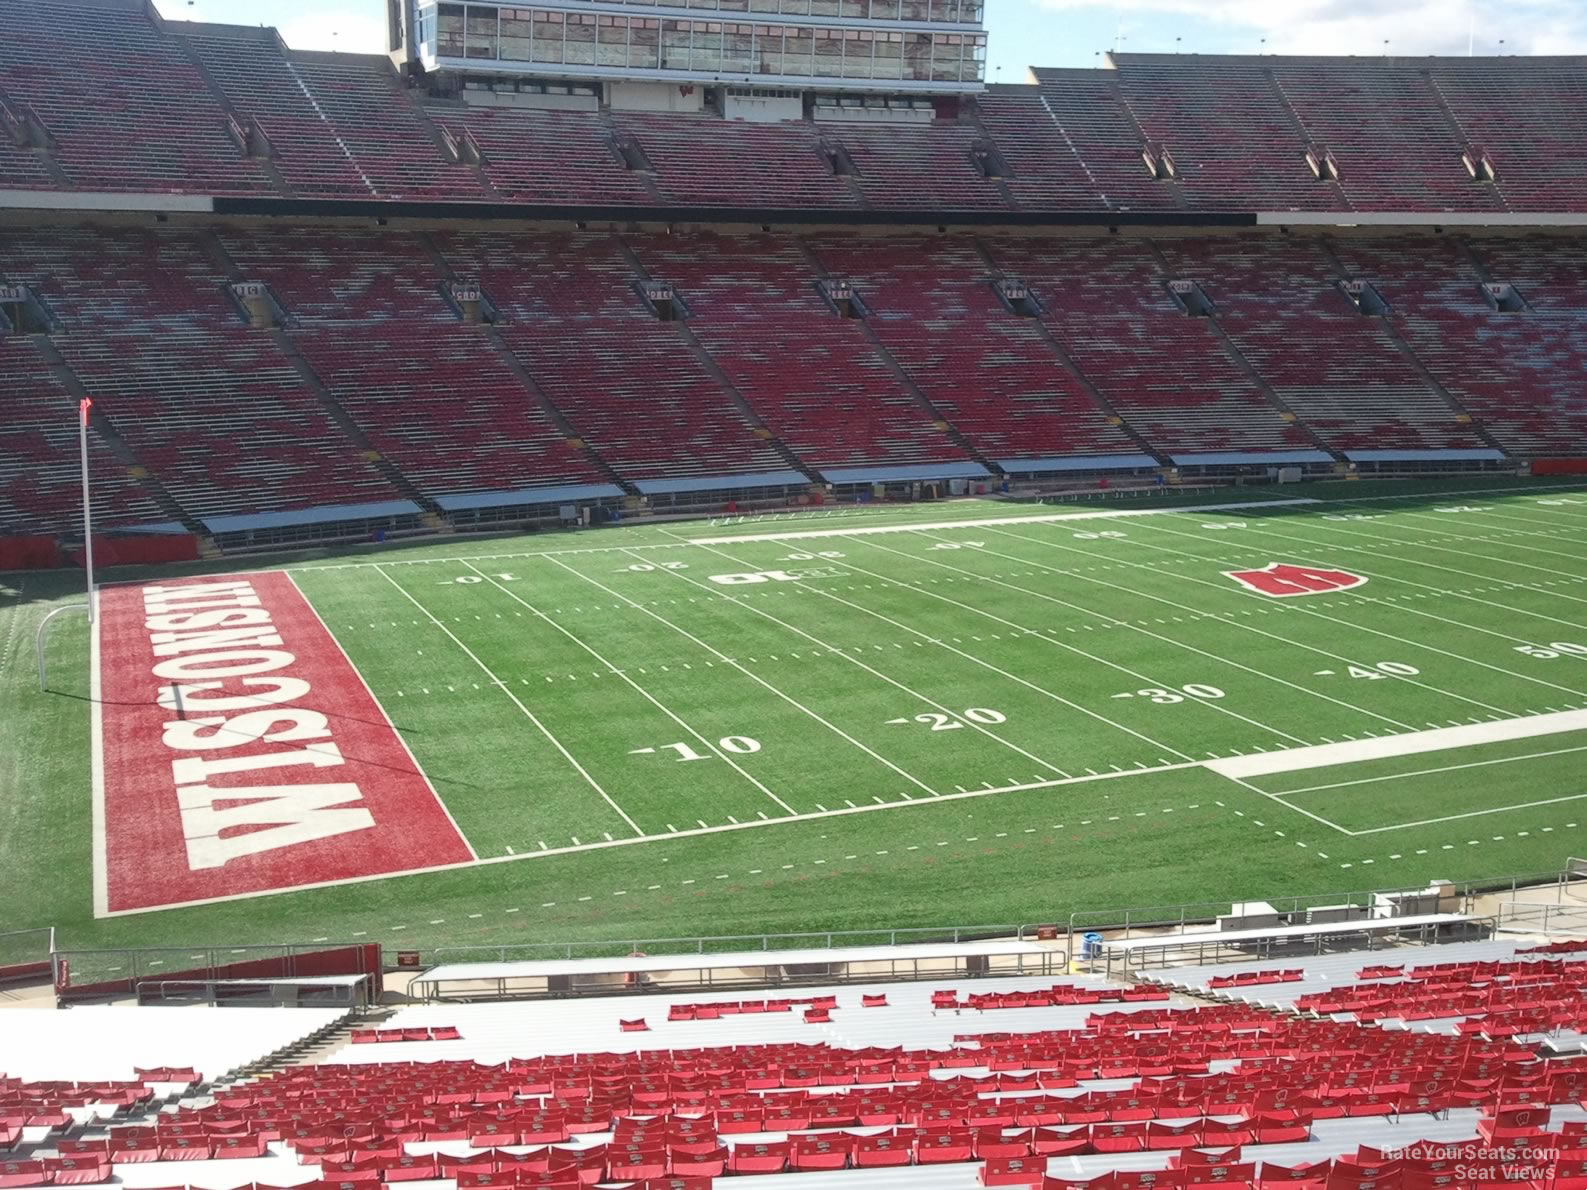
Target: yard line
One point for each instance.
(692, 832)
(1278, 801)
(1509, 534)
(1218, 616)
(1155, 636)
(412, 759)
(1505, 538)
(977, 522)
(1333, 528)
(1528, 487)
(1378, 830)
(722, 593)
(507, 690)
(1504, 607)
(970, 657)
(1448, 768)
(1225, 618)
(726, 660)
(718, 752)
(1500, 516)
(1387, 635)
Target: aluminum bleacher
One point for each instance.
(520, 163)
(628, 384)
(1396, 147)
(116, 100)
(988, 370)
(702, 161)
(1234, 146)
(375, 389)
(254, 71)
(124, 108)
(39, 473)
(1340, 371)
(1165, 372)
(916, 166)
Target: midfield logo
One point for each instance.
(1283, 579)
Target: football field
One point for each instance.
(962, 713)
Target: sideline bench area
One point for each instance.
(757, 968)
(1212, 946)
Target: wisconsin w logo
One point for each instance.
(1283, 579)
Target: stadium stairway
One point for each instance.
(516, 366)
(241, 120)
(1240, 360)
(697, 349)
(934, 414)
(1337, 198)
(316, 386)
(1244, 364)
(646, 177)
(102, 425)
(1069, 365)
(1393, 329)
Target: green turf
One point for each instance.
(902, 672)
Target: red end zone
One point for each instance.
(237, 751)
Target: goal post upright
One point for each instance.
(83, 408)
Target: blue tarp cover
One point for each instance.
(1078, 463)
(324, 515)
(1221, 458)
(927, 471)
(722, 483)
(567, 494)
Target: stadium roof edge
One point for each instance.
(181, 28)
(1487, 62)
(120, 5)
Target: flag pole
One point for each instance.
(88, 516)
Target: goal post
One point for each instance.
(43, 629)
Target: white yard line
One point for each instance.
(1527, 487)
(1228, 620)
(96, 755)
(1270, 730)
(1552, 801)
(1510, 535)
(1351, 624)
(724, 595)
(517, 702)
(756, 678)
(1495, 514)
(975, 523)
(1448, 768)
(968, 656)
(1465, 574)
(1278, 801)
(643, 693)
(1438, 739)
(412, 759)
(674, 836)
(1154, 635)
(12, 621)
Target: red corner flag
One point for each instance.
(83, 407)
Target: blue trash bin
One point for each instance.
(1091, 946)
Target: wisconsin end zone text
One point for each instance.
(239, 752)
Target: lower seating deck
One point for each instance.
(1000, 1081)
(941, 374)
